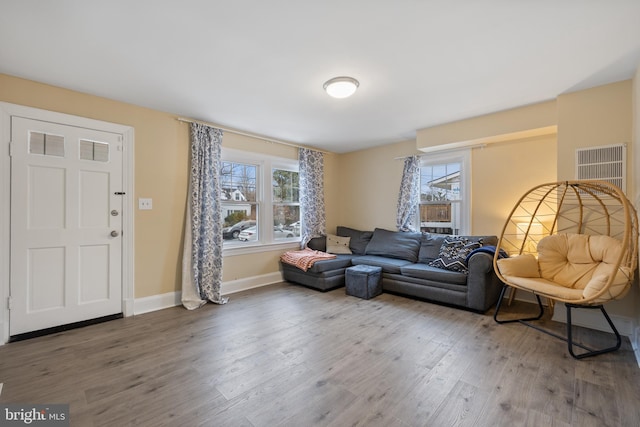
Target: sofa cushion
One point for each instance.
(394, 244)
(389, 265)
(453, 252)
(429, 247)
(423, 271)
(338, 245)
(359, 239)
(341, 261)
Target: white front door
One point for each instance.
(66, 225)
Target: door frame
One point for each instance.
(8, 110)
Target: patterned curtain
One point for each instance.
(311, 194)
(409, 197)
(202, 258)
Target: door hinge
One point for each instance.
(9, 303)
(10, 149)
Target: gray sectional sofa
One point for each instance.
(413, 264)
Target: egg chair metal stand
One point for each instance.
(574, 242)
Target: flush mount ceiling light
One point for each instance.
(341, 87)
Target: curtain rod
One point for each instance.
(444, 150)
(250, 135)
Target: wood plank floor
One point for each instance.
(287, 355)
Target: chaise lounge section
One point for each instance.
(453, 270)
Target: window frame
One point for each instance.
(289, 166)
(264, 201)
(464, 158)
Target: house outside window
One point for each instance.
(240, 204)
(260, 200)
(445, 194)
(286, 203)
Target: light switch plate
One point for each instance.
(145, 204)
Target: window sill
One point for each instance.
(261, 247)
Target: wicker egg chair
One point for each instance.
(574, 242)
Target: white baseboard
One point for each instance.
(593, 319)
(635, 344)
(172, 299)
(234, 286)
(128, 307)
(156, 302)
(526, 297)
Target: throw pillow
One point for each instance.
(453, 252)
(337, 244)
(359, 239)
(429, 248)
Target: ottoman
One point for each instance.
(363, 281)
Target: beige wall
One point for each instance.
(500, 174)
(369, 184)
(635, 174)
(594, 117)
(590, 118)
(161, 167)
(516, 123)
(635, 107)
(503, 172)
(161, 156)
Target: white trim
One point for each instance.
(173, 299)
(5, 220)
(247, 283)
(250, 135)
(526, 297)
(464, 157)
(128, 221)
(593, 319)
(8, 110)
(635, 344)
(156, 302)
(258, 248)
(264, 200)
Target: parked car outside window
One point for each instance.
(234, 231)
(295, 227)
(251, 233)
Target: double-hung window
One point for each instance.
(260, 199)
(286, 202)
(240, 201)
(445, 193)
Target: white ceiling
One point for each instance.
(259, 66)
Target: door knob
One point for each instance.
(114, 233)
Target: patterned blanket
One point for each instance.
(304, 258)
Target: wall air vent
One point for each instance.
(605, 163)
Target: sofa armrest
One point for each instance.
(483, 285)
(480, 263)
